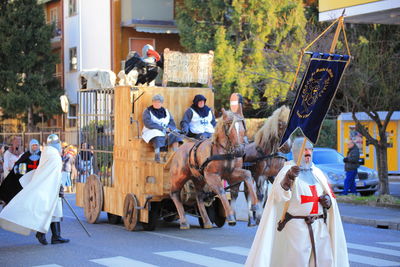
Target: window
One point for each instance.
(54, 15)
(73, 59)
(71, 7)
(72, 116)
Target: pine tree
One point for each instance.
(27, 64)
(256, 44)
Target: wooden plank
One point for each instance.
(79, 194)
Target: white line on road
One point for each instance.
(234, 250)
(371, 261)
(177, 237)
(198, 259)
(48, 265)
(120, 261)
(374, 249)
(394, 244)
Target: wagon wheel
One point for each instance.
(219, 210)
(93, 198)
(113, 219)
(153, 216)
(216, 213)
(131, 212)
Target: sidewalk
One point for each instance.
(386, 218)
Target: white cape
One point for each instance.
(267, 249)
(33, 207)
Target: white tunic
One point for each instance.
(148, 134)
(292, 246)
(199, 125)
(36, 205)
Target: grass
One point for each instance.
(384, 200)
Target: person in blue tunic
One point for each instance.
(198, 120)
(157, 122)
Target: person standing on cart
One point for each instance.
(198, 121)
(157, 122)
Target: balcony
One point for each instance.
(153, 16)
(57, 31)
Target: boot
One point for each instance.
(56, 231)
(42, 238)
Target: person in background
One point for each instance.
(351, 164)
(12, 155)
(157, 121)
(74, 172)
(198, 120)
(68, 161)
(27, 162)
(85, 162)
(2, 151)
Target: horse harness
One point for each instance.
(200, 168)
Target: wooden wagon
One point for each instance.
(124, 180)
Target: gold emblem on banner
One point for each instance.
(313, 89)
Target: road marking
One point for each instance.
(177, 237)
(394, 244)
(198, 259)
(371, 261)
(48, 265)
(234, 250)
(374, 249)
(120, 261)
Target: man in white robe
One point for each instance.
(38, 205)
(308, 238)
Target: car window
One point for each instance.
(327, 157)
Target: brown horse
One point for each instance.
(263, 156)
(208, 162)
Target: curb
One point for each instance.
(383, 224)
(376, 205)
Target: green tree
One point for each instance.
(27, 64)
(371, 84)
(256, 44)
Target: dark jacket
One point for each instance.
(351, 162)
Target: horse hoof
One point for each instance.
(208, 226)
(232, 223)
(184, 226)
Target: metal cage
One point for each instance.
(96, 134)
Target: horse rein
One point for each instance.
(233, 152)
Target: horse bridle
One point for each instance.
(232, 151)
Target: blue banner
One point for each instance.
(315, 94)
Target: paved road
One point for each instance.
(112, 245)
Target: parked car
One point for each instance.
(331, 163)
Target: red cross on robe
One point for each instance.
(313, 198)
(34, 165)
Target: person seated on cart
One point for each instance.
(198, 120)
(157, 122)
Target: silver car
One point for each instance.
(331, 163)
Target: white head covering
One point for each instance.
(296, 147)
(54, 141)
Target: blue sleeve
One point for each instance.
(187, 118)
(148, 122)
(213, 122)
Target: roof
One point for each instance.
(362, 116)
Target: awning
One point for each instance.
(156, 29)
